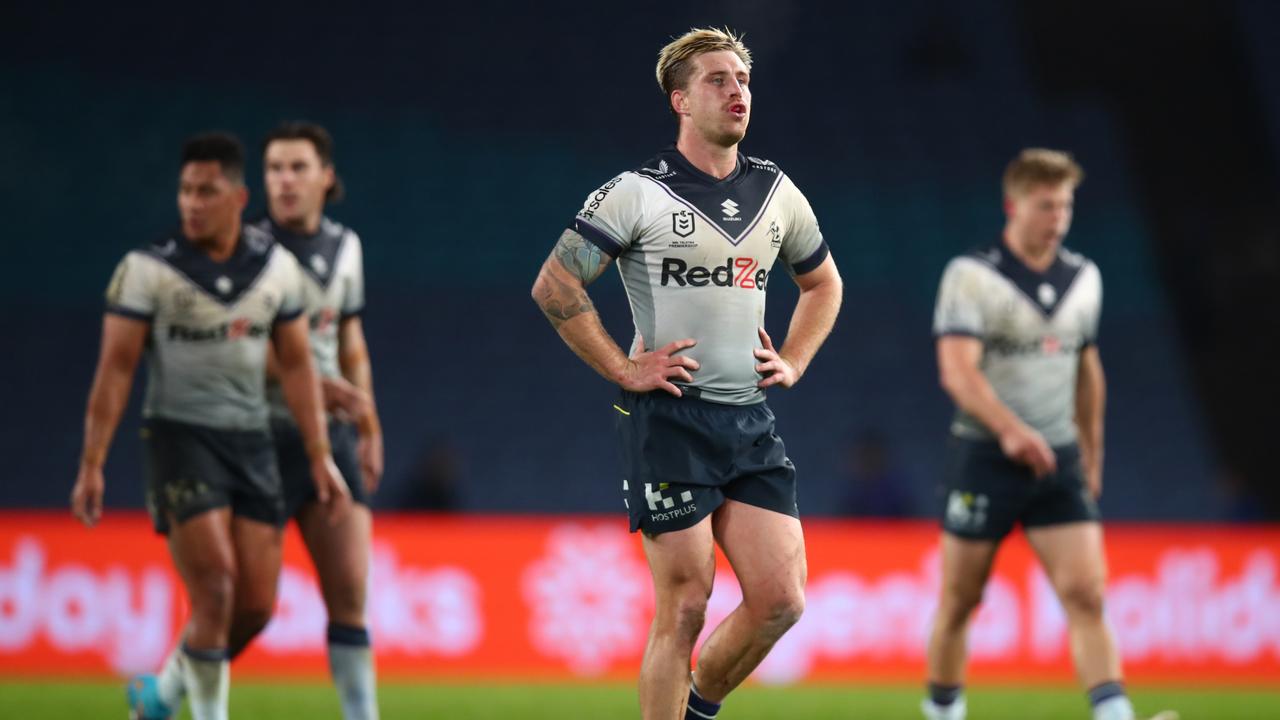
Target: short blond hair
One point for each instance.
(674, 60)
(1039, 166)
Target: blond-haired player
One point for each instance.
(695, 232)
(1016, 325)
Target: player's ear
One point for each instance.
(242, 196)
(1008, 206)
(680, 102)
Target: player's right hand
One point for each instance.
(1023, 445)
(331, 489)
(655, 370)
(86, 496)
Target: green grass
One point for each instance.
(56, 700)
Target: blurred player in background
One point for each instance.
(695, 232)
(1016, 326)
(300, 179)
(203, 305)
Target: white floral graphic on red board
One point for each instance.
(589, 598)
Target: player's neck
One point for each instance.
(715, 160)
(221, 247)
(1038, 258)
(306, 226)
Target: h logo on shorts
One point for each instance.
(966, 510)
(656, 497)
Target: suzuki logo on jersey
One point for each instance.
(730, 210)
(735, 272)
(235, 330)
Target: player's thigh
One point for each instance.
(202, 548)
(683, 562)
(339, 550)
(259, 551)
(1072, 554)
(766, 550)
(966, 566)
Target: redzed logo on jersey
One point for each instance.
(735, 272)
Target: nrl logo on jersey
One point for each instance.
(662, 172)
(682, 223)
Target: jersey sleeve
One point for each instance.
(133, 288)
(610, 218)
(353, 295)
(803, 248)
(959, 308)
(292, 298)
(1095, 317)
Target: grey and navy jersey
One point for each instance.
(1033, 327)
(696, 255)
(332, 265)
(210, 325)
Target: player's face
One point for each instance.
(209, 202)
(296, 181)
(718, 99)
(1041, 216)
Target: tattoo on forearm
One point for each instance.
(580, 257)
(561, 301)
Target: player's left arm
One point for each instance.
(353, 356)
(1091, 403)
(821, 291)
(301, 386)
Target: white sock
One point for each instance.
(351, 665)
(171, 686)
(1116, 708)
(208, 680)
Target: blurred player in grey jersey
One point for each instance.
(696, 232)
(1016, 326)
(300, 178)
(203, 304)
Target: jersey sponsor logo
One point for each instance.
(735, 272)
(323, 320)
(1046, 294)
(662, 172)
(1047, 345)
(319, 264)
(237, 329)
(224, 285)
(593, 204)
(731, 211)
(682, 223)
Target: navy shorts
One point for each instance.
(295, 466)
(191, 469)
(681, 457)
(985, 493)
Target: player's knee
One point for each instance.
(1084, 597)
(346, 604)
(957, 606)
(214, 592)
(685, 616)
(778, 613)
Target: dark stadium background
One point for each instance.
(468, 134)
